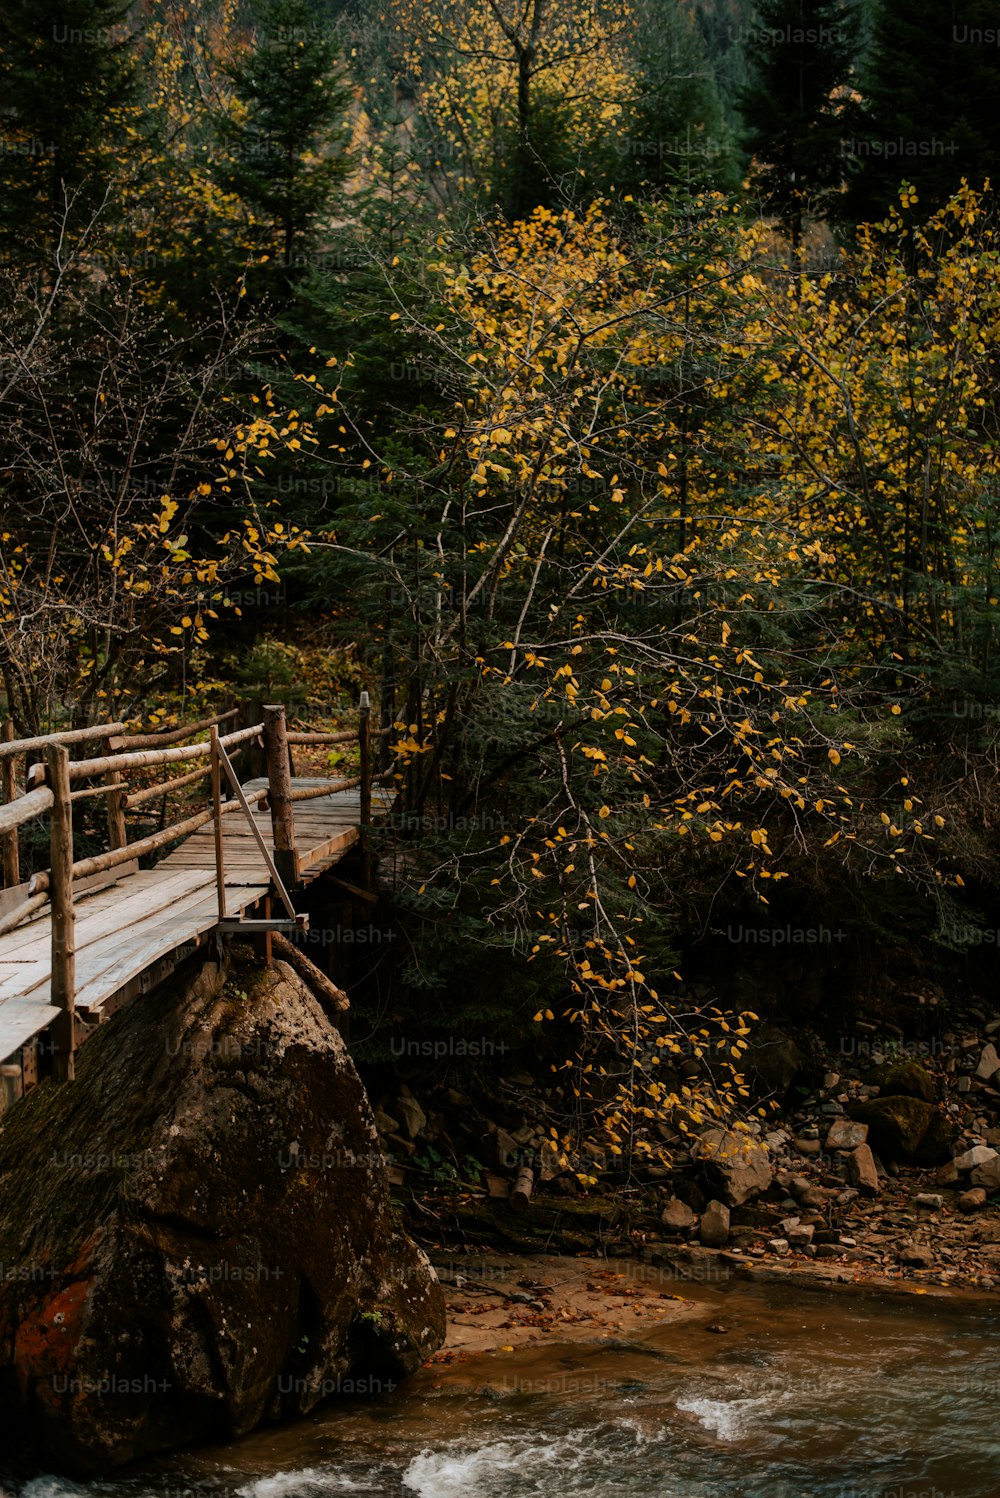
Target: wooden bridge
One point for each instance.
(87, 934)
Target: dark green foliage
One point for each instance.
(801, 54)
(931, 104)
(679, 134)
(287, 157)
(67, 82)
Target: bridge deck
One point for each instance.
(129, 933)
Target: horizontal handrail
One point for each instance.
(165, 787)
(175, 735)
(100, 862)
(62, 736)
(83, 769)
(328, 788)
(21, 912)
(301, 737)
(16, 813)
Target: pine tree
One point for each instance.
(795, 109)
(67, 81)
(287, 153)
(677, 134)
(930, 115)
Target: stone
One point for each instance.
(947, 1175)
(971, 1159)
(846, 1135)
(901, 1127)
(828, 1251)
(989, 1063)
(226, 1252)
(987, 1174)
(677, 1216)
(973, 1200)
(385, 1123)
(713, 1231)
(861, 1170)
(904, 1079)
(778, 1246)
(805, 1146)
(916, 1255)
(508, 1156)
(830, 1080)
(801, 1235)
(931, 1200)
(737, 1166)
(412, 1116)
(963, 1085)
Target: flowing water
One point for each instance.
(805, 1395)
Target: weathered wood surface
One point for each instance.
(131, 923)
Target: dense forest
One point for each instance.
(611, 390)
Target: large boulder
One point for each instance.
(906, 1128)
(904, 1079)
(197, 1234)
(734, 1164)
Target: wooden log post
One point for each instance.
(220, 867)
(254, 764)
(524, 1183)
(365, 750)
(279, 781)
(117, 835)
(63, 920)
(11, 854)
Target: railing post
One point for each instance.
(220, 868)
(254, 763)
(63, 919)
(279, 780)
(117, 835)
(364, 748)
(8, 779)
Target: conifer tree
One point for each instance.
(795, 108)
(67, 81)
(287, 146)
(930, 113)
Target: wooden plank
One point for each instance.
(333, 846)
(103, 914)
(20, 1023)
(160, 932)
(156, 941)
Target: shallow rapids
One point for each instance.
(834, 1395)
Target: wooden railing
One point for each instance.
(54, 783)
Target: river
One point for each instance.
(804, 1394)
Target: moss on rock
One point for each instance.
(197, 1233)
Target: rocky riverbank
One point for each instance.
(880, 1166)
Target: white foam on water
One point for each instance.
(459, 1472)
(535, 1465)
(308, 1482)
(728, 1419)
(48, 1486)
